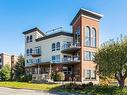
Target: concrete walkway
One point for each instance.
(11, 91)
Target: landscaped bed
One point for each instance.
(69, 88)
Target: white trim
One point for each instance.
(86, 17)
(90, 17)
(92, 12)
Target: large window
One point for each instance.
(89, 56)
(53, 47)
(90, 37)
(90, 74)
(87, 36)
(58, 46)
(93, 37)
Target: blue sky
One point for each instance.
(17, 16)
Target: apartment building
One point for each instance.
(7, 59)
(71, 53)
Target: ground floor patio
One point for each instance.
(44, 71)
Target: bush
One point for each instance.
(58, 76)
(76, 86)
(5, 73)
(25, 78)
(90, 84)
(73, 86)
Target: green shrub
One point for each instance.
(73, 86)
(53, 76)
(90, 84)
(25, 78)
(58, 76)
(5, 73)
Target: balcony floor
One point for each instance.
(71, 50)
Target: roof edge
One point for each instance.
(33, 30)
(87, 13)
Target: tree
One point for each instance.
(19, 68)
(111, 60)
(5, 72)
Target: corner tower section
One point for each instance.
(85, 26)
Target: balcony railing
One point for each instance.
(71, 45)
(40, 76)
(36, 53)
(71, 59)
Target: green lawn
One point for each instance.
(26, 85)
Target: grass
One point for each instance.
(33, 86)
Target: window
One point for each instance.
(87, 36)
(27, 52)
(31, 38)
(87, 55)
(27, 39)
(37, 60)
(53, 59)
(67, 70)
(58, 46)
(57, 59)
(38, 50)
(30, 61)
(0, 60)
(92, 55)
(53, 47)
(27, 61)
(90, 74)
(93, 74)
(93, 37)
(77, 35)
(31, 51)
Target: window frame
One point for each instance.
(93, 37)
(87, 37)
(27, 39)
(53, 46)
(31, 38)
(58, 46)
(27, 52)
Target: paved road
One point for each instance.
(10, 91)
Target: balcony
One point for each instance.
(36, 53)
(70, 47)
(74, 59)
